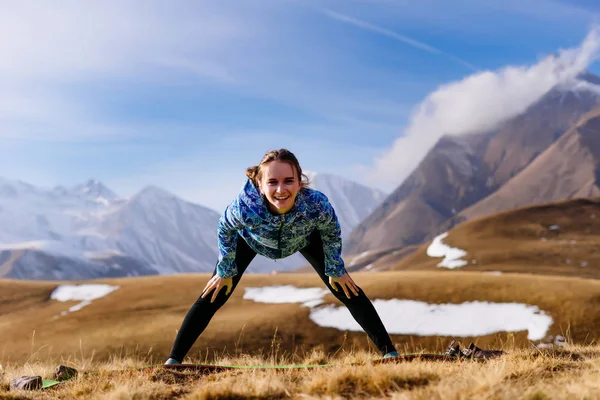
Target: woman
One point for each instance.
(276, 215)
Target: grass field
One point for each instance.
(141, 317)
(568, 373)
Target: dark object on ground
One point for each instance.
(64, 373)
(477, 353)
(453, 350)
(26, 383)
(472, 352)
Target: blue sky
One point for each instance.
(185, 95)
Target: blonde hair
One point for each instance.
(282, 155)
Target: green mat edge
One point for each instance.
(46, 383)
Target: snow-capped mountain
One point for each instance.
(151, 232)
(94, 189)
(154, 225)
(87, 231)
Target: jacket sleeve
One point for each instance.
(330, 230)
(227, 233)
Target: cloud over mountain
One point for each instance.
(479, 103)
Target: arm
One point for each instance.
(229, 224)
(330, 230)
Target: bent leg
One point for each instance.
(359, 306)
(203, 310)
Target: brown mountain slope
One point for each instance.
(459, 172)
(559, 238)
(522, 139)
(35, 264)
(569, 168)
(447, 180)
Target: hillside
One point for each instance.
(142, 315)
(559, 238)
(449, 179)
(567, 169)
(520, 140)
(32, 264)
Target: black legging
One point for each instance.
(203, 310)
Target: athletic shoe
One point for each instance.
(477, 353)
(391, 354)
(453, 350)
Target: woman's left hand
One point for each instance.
(345, 282)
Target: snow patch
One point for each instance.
(50, 246)
(359, 257)
(102, 254)
(551, 341)
(451, 255)
(83, 293)
(409, 317)
(309, 297)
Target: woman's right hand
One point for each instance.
(217, 283)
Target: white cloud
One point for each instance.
(478, 103)
(51, 54)
(72, 37)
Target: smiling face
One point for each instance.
(280, 184)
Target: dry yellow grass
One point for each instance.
(521, 241)
(569, 373)
(142, 317)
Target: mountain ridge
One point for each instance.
(450, 179)
(152, 231)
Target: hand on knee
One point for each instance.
(345, 283)
(215, 285)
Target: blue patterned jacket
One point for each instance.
(278, 236)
